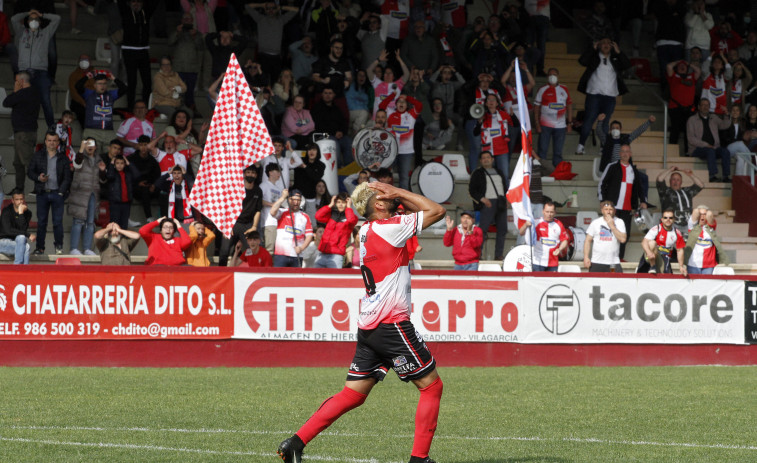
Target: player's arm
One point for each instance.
(432, 211)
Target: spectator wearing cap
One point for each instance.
(466, 240)
(165, 248)
(254, 256)
(549, 239)
(146, 172)
(98, 110)
(339, 220)
(293, 230)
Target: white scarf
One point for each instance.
(185, 200)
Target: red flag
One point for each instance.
(237, 138)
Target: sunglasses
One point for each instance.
(668, 218)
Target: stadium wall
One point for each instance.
(119, 317)
(743, 202)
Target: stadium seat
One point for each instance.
(643, 70)
(102, 49)
(67, 261)
(3, 94)
(569, 268)
(584, 219)
(723, 270)
(489, 267)
(456, 165)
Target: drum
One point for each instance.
(434, 181)
(374, 148)
(575, 249)
(329, 156)
(518, 259)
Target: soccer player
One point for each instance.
(386, 337)
(551, 240)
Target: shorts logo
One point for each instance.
(398, 361)
(353, 367)
(559, 309)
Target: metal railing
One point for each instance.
(749, 162)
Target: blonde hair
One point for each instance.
(361, 196)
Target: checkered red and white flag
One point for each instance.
(237, 138)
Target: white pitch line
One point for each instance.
(588, 440)
(172, 449)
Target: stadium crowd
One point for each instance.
(412, 68)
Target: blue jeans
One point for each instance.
(345, 151)
(286, 261)
(42, 82)
(594, 106)
(18, 248)
(46, 202)
(189, 78)
(541, 268)
(502, 162)
(557, 136)
(404, 162)
(473, 266)
(474, 142)
(699, 271)
(330, 261)
(712, 155)
(87, 225)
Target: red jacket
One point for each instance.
(162, 252)
(337, 234)
(467, 250)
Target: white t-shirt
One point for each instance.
(288, 162)
(271, 192)
(383, 263)
(605, 247)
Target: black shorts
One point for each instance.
(392, 345)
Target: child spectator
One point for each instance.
(63, 129)
(255, 256)
(119, 176)
(201, 237)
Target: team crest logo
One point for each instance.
(372, 146)
(399, 361)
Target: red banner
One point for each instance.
(115, 303)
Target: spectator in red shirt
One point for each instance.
(339, 220)
(682, 82)
(466, 240)
(163, 248)
(254, 256)
(724, 38)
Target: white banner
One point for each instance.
(460, 308)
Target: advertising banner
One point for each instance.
(320, 307)
(629, 310)
(750, 312)
(457, 308)
(117, 304)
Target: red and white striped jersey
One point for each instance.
(384, 265)
(667, 240)
(511, 100)
(626, 188)
(704, 254)
(715, 90)
(494, 132)
(397, 14)
(291, 231)
(548, 238)
(554, 103)
(482, 94)
(402, 125)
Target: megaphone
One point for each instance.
(476, 111)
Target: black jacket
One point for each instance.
(114, 186)
(591, 60)
(136, 24)
(328, 119)
(307, 176)
(25, 105)
(13, 224)
(38, 165)
(609, 185)
(477, 186)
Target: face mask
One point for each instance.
(34, 25)
(615, 133)
(249, 179)
(552, 79)
(84, 64)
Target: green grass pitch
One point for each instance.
(492, 415)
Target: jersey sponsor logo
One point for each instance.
(556, 106)
(103, 110)
(548, 241)
(715, 91)
(400, 129)
(399, 15)
(706, 242)
(450, 6)
(293, 230)
(494, 132)
(664, 249)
